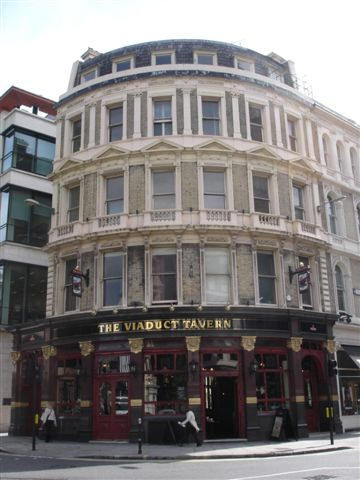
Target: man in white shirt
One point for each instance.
(191, 427)
(48, 420)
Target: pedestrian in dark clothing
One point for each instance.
(191, 427)
(48, 421)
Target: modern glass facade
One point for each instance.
(28, 151)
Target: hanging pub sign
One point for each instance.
(77, 276)
(303, 272)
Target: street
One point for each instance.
(341, 465)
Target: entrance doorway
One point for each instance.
(311, 394)
(221, 409)
(111, 408)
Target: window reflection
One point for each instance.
(105, 393)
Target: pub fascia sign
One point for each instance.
(170, 324)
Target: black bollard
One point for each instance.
(139, 436)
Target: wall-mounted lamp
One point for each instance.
(133, 368)
(144, 309)
(199, 308)
(193, 367)
(227, 308)
(253, 366)
(34, 203)
(318, 208)
(171, 308)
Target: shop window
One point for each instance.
(74, 204)
(114, 195)
(113, 364)
(163, 266)
(115, 124)
(163, 186)
(70, 299)
(350, 395)
(113, 278)
(76, 135)
(29, 152)
(68, 386)
(165, 383)
(256, 123)
(211, 117)
(261, 194)
(218, 277)
(220, 361)
(266, 278)
(272, 385)
(214, 190)
(298, 199)
(162, 118)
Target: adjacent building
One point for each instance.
(211, 209)
(27, 144)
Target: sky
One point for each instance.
(40, 39)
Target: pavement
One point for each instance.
(108, 450)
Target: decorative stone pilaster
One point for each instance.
(48, 351)
(86, 348)
(136, 345)
(248, 343)
(294, 344)
(15, 357)
(193, 343)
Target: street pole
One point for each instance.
(34, 403)
(330, 412)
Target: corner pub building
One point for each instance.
(191, 179)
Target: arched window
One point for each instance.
(331, 214)
(354, 160)
(340, 289)
(340, 155)
(325, 142)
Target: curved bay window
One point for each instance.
(272, 381)
(68, 386)
(165, 380)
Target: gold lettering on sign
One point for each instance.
(170, 324)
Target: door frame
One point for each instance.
(239, 387)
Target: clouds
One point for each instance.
(43, 38)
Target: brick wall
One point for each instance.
(136, 275)
(284, 194)
(245, 274)
(179, 111)
(90, 195)
(144, 114)
(191, 274)
(189, 186)
(283, 127)
(136, 188)
(229, 114)
(272, 123)
(241, 188)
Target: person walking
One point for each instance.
(48, 421)
(191, 427)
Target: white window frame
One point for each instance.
(229, 275)
(341, 268)
(304, 209)
(69, 188)
(205, 52)
(162, 170)
(102, 193)
(162, 52)
(212, 100)
(86, 72)
(80, 137)
(292, 136)
(122, 59)
(276, 277)
(222, 170)
(160, 95)
(269, 184)
(123, 277)
(262, 110)
(245, 60)
(105, 180)
(113, 107)
(162, 121)
(164, 251)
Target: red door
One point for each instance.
(111, 408)
(311, 400)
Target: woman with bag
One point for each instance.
(48, 420)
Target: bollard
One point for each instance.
(139, 436)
